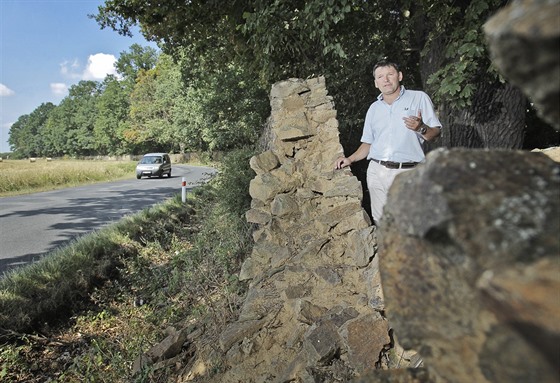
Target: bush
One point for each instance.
(232, 186)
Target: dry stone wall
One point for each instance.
(313, 309)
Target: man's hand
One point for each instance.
(414, 122)
(342, 162)
(358, 155)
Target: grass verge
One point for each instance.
(86, 312)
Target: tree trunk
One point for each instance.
(496, 119)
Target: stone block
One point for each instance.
(264, 162)
(322, 344)
(237, 331)
(361, 245)
(523, 41)
(258, 216)
(310, 313)
(284, 205)
(365, 337)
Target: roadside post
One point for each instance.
(184, 190)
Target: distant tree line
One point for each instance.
(208, 88)
(154, 104)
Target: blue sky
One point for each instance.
(45, 47)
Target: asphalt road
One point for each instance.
(35, 224)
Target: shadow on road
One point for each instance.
(86, 214)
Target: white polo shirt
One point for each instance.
(385, 130)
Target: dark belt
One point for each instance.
(396, 165)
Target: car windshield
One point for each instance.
(151, 160)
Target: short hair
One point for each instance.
(384, 63)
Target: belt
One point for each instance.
(396, 165)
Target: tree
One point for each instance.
(26, 132)
(270, 41)
(225, 107)
(112, 124)
(111, 118)
(69, 128)
(476, 106)
(142, 112)
(130, 63)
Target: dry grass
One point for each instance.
(23, 176)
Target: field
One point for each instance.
(24, 176)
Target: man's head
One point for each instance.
(384, 63)
(387, 77)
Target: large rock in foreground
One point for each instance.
(524, 40)
(469, 261)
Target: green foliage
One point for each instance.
(232, 52)
(111, 118)
(208, 91)
(92, 119)
(228, 108)
(466, 60)
(69, 128)
(232, 184)
(26, 134)
(176, 106)
(224, 239)
(148, 115)
(137, 59)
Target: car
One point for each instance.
(154, 165)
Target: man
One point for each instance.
(396, 126)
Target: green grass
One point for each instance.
(74, 316)
(23, 176)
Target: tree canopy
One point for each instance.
(207, 88)
(439, 43)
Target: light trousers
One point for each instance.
(379, 180)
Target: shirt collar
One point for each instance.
(380, 97)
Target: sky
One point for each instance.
(46, 46)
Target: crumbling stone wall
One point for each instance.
(313, 309)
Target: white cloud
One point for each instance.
(59, 88)
(99, 66)
(5, 91)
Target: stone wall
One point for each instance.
(313, 311)
(468, 256)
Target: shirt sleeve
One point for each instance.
(367, 133)
(428, 113)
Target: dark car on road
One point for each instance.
(154, 165)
